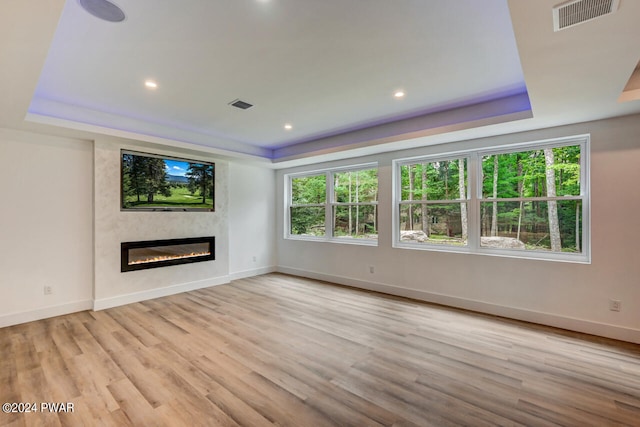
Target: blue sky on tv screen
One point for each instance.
(176, 167)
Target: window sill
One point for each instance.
(518, 254)
(340, 240)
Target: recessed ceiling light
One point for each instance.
(288, 126)
(399, 94)
(151, 84)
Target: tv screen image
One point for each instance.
(151, 182)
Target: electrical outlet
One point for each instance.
(371, 269)
(615, 305)
(254, 258)
(48, 290)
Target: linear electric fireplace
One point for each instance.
(162, 253)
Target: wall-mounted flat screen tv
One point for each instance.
(153, 182)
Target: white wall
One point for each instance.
(46, 225)
(48, 212)
(113, 226)
(51, 235)
(568, 295)
(252, 220)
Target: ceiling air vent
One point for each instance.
(576, 12)
(240, 104)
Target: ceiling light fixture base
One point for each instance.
(103, 9)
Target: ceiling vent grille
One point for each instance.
(240, 104)
(576, 12)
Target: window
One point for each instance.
(308, 200)
(532, 199)
(528, 201)
(433, 201)
(337, 204)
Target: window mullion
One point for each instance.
(474, 188)
(427, 202)
(355, 204)
(585, 191)
(530, 199)
(287, 207)
(328, 211)
(307, 205)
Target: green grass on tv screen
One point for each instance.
(180, 197)
(153, 182)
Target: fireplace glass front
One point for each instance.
(161, 253)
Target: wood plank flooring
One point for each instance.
(287, 351)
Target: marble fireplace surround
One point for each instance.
(113, 226)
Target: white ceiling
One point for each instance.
(329, 67)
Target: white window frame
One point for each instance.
(474, 200)
(328, 205)
(397, 185)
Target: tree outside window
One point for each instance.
(346, 208)
(532, 199)
(355, 208)
(307, 207)
(433, 202)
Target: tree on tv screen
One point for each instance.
(144, 176)
(200, 178)
(150, 182)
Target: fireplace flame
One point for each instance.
(168, 257)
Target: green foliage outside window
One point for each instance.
(423, 215)
(356, 192)
(308, 190)
(528, 175)
(352, 202)
(529, 200)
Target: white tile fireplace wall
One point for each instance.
(112, 226)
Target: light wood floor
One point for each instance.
(295, 352)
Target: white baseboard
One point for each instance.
(104, 303)
(548, 319)
(251, 273)
(101, 304)
(44, 313)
